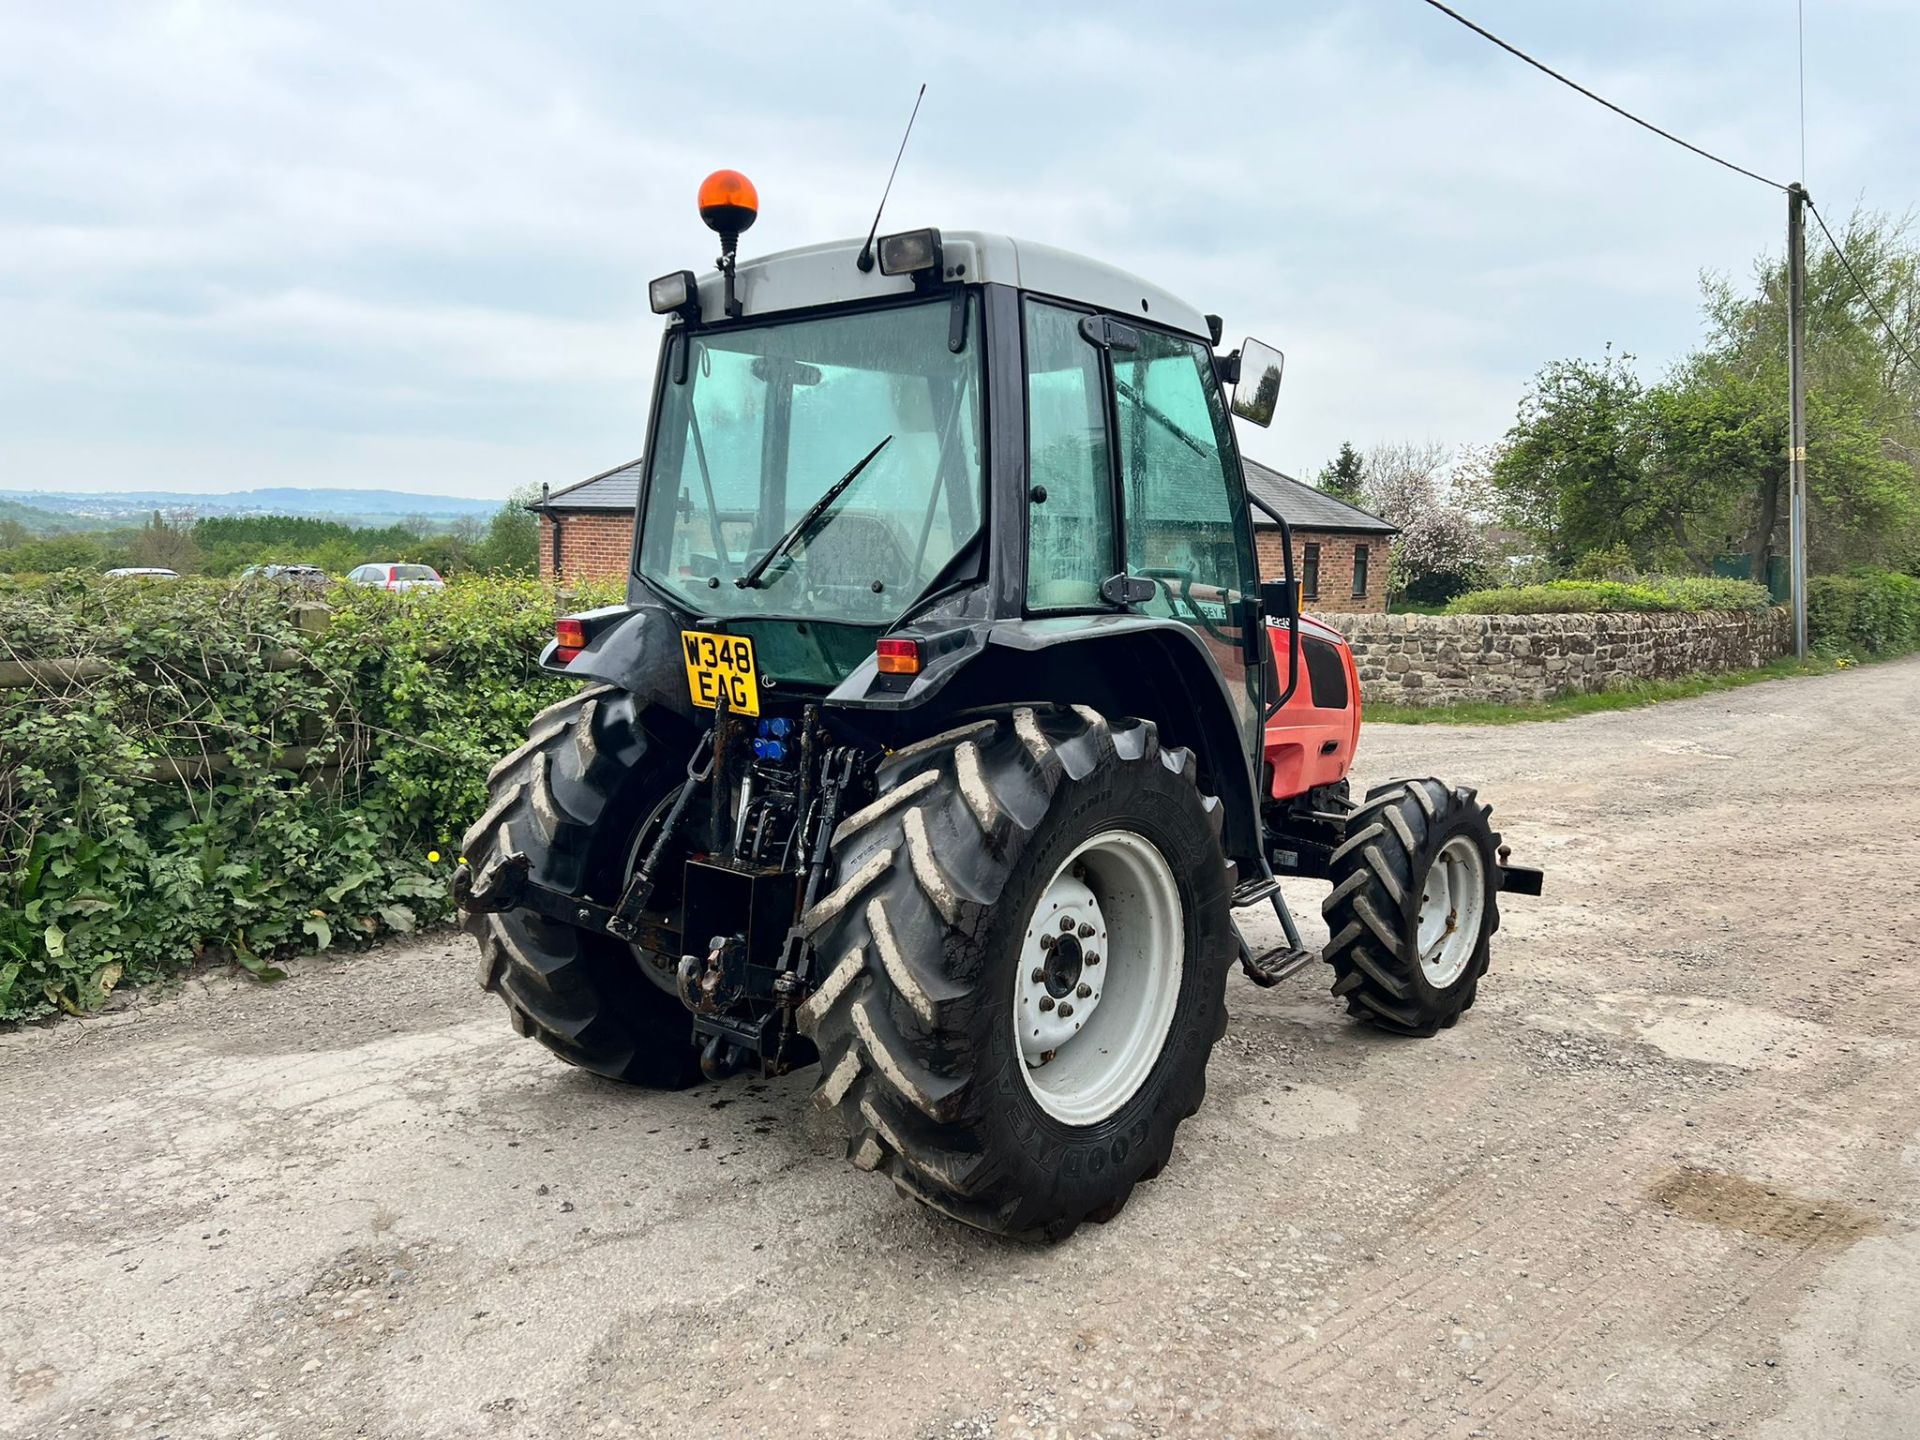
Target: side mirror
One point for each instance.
(1256, 389)
(1279, 600)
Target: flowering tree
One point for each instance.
(1440, 551)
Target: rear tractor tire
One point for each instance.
(1413, 906)
(1021, 967)
(572, 799)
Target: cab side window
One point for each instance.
(1070, 530)
(1174, 465)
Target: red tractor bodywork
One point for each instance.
(1311, 741)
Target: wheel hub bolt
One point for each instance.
(1039, 976)
(1066, 924)
(1086, 930)
(1084, 990)
(1049, 940)
(1079, 872)
(1091, 957)
(1066, 1011)
(1046, 1002)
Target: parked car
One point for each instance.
(390, 575)
(309, 575)
(143, 572)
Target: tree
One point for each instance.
(513, 535)
(1863, 395)
(1574, 468)
(54, 553)
(164, 544)
(1440, 550)
(1341, 477)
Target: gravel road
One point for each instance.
(1663, 1180)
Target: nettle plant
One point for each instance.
(188, 773)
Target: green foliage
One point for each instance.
(1571, 470)
(164, 543)
(233, 542)
(118, 864)
(224, 545)
(1569, 597)
(56, 552)
(1870, 613)
(1695, 466)
(1613, 563)
(1342, 477)
(513, 536)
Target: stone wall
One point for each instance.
(1440, 659)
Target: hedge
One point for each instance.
(1566, 597)
(210, 779)
(1870, 613)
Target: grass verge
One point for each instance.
(1565, 707)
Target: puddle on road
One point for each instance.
(1733, 1202)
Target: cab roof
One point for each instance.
(826, 274)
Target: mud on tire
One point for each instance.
(918, 946)
(582, 994)
(1378, 876)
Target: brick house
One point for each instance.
(586, 529)
(1340, 553)
(1339, 550)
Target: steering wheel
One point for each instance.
(1163, 575)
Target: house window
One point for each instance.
(1310, 572)
(1359, 571)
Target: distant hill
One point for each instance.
(43, 522)
(352, 507)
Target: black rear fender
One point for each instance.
(1129, 666)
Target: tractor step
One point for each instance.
(1252, 892)
(1280, 963)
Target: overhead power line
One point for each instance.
(1625, 114)
(1852, 275)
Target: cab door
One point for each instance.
(1183, 501)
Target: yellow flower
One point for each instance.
(433, 857)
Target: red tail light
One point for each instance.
(571, 638)
(898, 657)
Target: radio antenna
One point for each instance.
(865, 261)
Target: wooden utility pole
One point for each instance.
(1797, 406)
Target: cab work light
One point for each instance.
(674, 294)
(570, 638)
(897, 657)
(910, 251)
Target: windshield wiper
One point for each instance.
(805, 523)
(1155, 413)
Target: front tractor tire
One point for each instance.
(1021, 967)
(1413, 908)
(572, 799)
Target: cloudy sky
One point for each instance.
(406, 244)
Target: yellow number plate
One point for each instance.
(721, 664)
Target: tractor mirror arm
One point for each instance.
(1289, 609)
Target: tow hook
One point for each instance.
(706, 986)
(720, 1057)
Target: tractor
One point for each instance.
(948, 725)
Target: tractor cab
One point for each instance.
(872, 466)
(948, 725)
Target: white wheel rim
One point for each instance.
(1099, 977)
(1451, 904)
